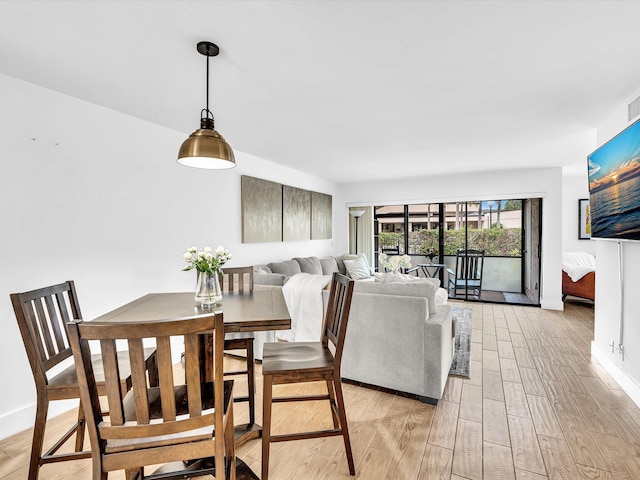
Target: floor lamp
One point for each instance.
(356, 214)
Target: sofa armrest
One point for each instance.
(438, 342)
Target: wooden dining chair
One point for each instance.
(180, 420)
(301, 362)
(43, 316)
(240, 280)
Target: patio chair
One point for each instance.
(466, 280)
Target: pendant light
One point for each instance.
(205, 148)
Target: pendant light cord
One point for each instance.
(208, 111)
(206, 117)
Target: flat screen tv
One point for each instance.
(614, 187)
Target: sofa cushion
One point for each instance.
(357, 269)
(329, 265)
(288, 267)
(410, 289)
(310, 265)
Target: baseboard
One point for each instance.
(22, 419)
(627, 383)
(557, 305)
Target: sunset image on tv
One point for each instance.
(614, 186)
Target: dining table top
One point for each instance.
(262, 309)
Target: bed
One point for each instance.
(578, 275)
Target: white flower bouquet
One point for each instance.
(395, 262)
(205, 260)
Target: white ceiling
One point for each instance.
(347, 90)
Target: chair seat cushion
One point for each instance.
(282, 357)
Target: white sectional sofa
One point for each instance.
(400, 334)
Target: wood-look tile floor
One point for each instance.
(536, 406)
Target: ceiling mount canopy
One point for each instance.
(206, 148)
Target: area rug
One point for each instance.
(460, 363)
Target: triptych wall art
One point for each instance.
(272, 212)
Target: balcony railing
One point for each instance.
(500, 274)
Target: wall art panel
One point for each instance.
(261, 210)
(296, 214)
(320, 216)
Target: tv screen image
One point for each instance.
(614, 186)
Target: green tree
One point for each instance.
(512, 205)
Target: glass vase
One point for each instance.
(208, 288)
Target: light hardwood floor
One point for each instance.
(536, 406)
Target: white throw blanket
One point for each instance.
(303, 294)
(578, 264)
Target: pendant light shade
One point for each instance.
(206, 148)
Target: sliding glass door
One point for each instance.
(433, 234)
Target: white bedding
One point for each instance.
(303, 294)
(578, 264)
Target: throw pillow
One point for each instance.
(350, 256)
(261, 269)
(357, 269)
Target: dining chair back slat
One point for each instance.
(138, 380)
(238, 279)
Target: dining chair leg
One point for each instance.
(38, 436)
(80, 429)
(98, 474)
(345, 428)
(266, 424)
(251, 382)
(229, 440)
(133, 474)
(332, 403)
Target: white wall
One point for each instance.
(608, 306)
(575, 185)
(545, 183)
(92, 195)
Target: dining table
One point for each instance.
(260, 310)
